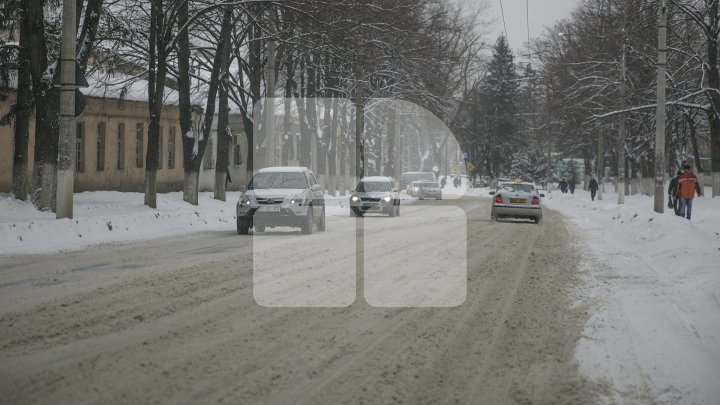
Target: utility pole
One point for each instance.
(66, 143)
(660, 115)
(620, 180)
(600, 165)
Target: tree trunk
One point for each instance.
(713, 75)
(44, 169)
(188, 138)
(156, 92)
(389, 170)
(193, 157)
(223, 146)
(359, 141)
(23, 111)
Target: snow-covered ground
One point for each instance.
(652, 280)
(654, 331)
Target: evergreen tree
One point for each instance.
(499, 107)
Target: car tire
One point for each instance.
(242, 227)
(321, 225)
(308, 227)
(538, 220)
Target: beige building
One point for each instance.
(111, 141)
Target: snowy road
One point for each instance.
(179, 320)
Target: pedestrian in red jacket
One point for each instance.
(687, 187)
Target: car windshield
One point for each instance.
(515, 187)
(373, 186)
(278, 180)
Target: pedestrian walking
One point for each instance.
(443, 181)
(687, 187)
(672, 193)
(572, 186)
(227, 178)
(593, 187)
(563, 186)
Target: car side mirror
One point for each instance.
(316, 187)
(243, 189)
(542, 195)
(492, 193)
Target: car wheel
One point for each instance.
(242, 227)
(321, 226)
(538, 220)
(309, 226)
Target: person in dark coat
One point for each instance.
(572, 186)
(593, 187)
(563, 186)
(673, 190)
(443, 181)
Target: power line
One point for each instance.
(502, 12)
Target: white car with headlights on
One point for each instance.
(375, 194)
(281, 196)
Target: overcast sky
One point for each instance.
(543, 13)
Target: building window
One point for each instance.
(100, 156)
(121, 146)
(160, 149)
(208, 163)
(139, 144)
(237, 152)
(171, 148)
(80, 147)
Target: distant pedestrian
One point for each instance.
(572, 186)
(672, 193)
(593, 187)
(687, 187)
(227, 178)
(443, 181)
(563, 186)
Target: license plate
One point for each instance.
(270, 208)
(518, 200)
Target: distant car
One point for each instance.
(517, 199)
(408, 177)
(428, 189)
(281, 196)
(375, 194)
(412, 188)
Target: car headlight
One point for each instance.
(354, 198)
(298, 200)
(387, 199)
(244, 201)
